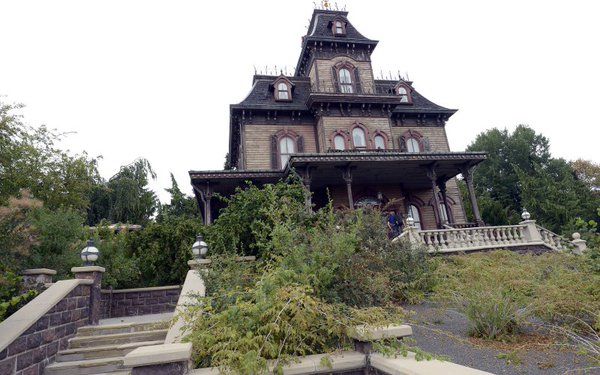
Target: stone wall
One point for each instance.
(133, 302)
(37, 346)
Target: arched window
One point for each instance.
(339, 29)
(443, 213)
(379, 142)
(359, 138)
(345, 81)
(339, 143)
(413, 212)
(403, 94)
(282, 91)
(287, 147)
(412, 145)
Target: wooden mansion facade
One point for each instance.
(359, 140)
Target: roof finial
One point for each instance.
(326, 4)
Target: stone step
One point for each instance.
(117, 338)
(107, 351)
(109, 329)
(89, 366)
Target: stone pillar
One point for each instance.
(468, 176)
(93, 273)
(436, 201)
(531, 232)
(347, 175)
(35, 276)
(580, 245)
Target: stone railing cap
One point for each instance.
(88, 269)
(364, 333)
(156, 354)
(38, 271)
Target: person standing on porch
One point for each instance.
(394, 224)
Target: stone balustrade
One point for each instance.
(525, 235)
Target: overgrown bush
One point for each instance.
(492, 313)
(317, 275)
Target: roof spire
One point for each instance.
(326, 4)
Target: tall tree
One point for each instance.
(29, 159)
(180, 205)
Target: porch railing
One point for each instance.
(525, 234)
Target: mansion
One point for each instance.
(352, 138)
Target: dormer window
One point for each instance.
(283, 91)
(345, 81)
(404, 93)
(339, 28)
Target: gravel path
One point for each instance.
(444, 332)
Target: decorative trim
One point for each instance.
(411, 134)
(344, 134)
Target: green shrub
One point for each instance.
(492, 313)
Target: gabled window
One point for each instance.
(345, 81)
(403, 91)
(359, 137)
(339, 28)
(283, 91)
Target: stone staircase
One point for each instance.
(100, 349)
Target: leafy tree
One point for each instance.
(588, 172)
(180, 204)
(29, 159)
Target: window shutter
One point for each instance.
(274, 162)
(300, 144)
(426, 145)
(334, 80)
(402, 144)
(357, 82)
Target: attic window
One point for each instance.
(283, 92)
(404, 93)
(339, 28)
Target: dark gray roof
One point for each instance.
(320, 27)
(419, 102)
(261, 95)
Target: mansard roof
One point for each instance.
(320, 27)
(261, 95)
(419, 102)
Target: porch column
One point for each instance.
(207, 209)
(347, 175)
(436, 201)
(468, 175)
(306, 179)
(442, 187)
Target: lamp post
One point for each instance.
(199, 248)
(90, 253)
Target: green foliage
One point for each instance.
(59, 232)
(121, 264)
(246, 223)
(12, 297)
(317, 276)
(180, 205)
(498, 289)
(520, 172)
(29, 159)
(8, 307)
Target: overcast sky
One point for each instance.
(154, 79)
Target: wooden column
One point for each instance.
(347, 175)
(306, 179)
(442, 187)
(467, 173)
(436, 201)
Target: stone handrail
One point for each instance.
(467, 239)
(553, 240)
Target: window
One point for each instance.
(339, 143)
(286, 148)
(443, 213)
(282, 91)
(414, 213)
(403, 94)
(339, 28)
(412, 145)
(359, 138)
(345, 81)
(379, 142)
